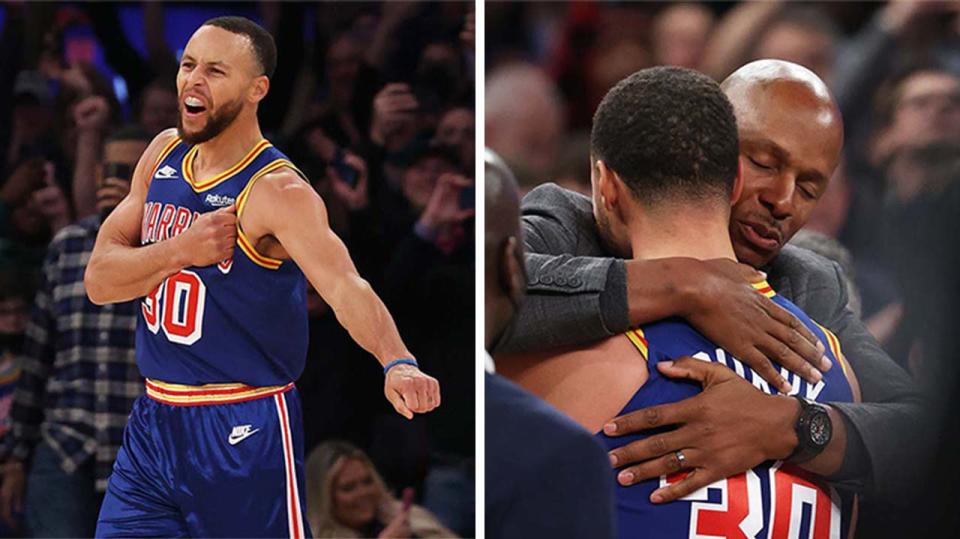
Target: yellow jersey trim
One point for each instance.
(242, 240)
(163, 154)
(204, 185)
(639, 340)
(247, 247)
(764, 288)
(178, 394)
(276, 164)
(834, 343)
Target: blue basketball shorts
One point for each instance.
(219, 460)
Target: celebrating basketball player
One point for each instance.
(215, 447)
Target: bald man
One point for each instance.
(790, 139)
(523, 120)
(558, 485)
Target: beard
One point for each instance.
(216, 123)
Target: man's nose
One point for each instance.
(777, 196)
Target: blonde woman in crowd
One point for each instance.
(346, 497)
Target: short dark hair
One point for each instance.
(668, 132)
(260, 39)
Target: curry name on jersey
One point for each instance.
(772, 501)
(242, 320)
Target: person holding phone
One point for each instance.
(77, 356)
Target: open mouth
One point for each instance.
(193, 106)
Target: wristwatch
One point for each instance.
(814, 430)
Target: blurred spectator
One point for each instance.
(394, 123)
(524, 120)
(16, 292)
(798, 33)
(573, 168)
(430, 267)
(346, 497)
(32, 208)
(158, 106)
(680, 34)
(917, 151)
(831, 249)
(835, 219)
(456, 129)
(32, 117)
(77, 357)
(803, 35)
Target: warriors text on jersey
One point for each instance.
(774, 500)
(242, 320)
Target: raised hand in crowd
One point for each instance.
(399, 526)
(51, 201)
(352, 189)
(444, 208)
(74, 78)
(26, 178)
(900, 16)
(394, 115)
(90, 115)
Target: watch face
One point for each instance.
(820, 429)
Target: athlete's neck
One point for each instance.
(231, 145)
(682, 232)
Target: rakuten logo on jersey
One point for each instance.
(218, 201)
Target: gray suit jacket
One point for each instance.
(577, 294)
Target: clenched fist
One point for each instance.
(92, 113)
(211, 238)
(411, 391)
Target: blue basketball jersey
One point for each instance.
(774, 500)
(242, 320)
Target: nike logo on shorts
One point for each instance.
(241, 433)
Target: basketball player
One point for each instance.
(669, 194)
(215, 237)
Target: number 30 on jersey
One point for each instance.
(176, 306)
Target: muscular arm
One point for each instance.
(303, 231)
(284, 207)
(119, 268)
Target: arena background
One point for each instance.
(893, 228)
(326, 96)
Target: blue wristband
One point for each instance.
(402, 361)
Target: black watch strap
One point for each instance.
(814, 430)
